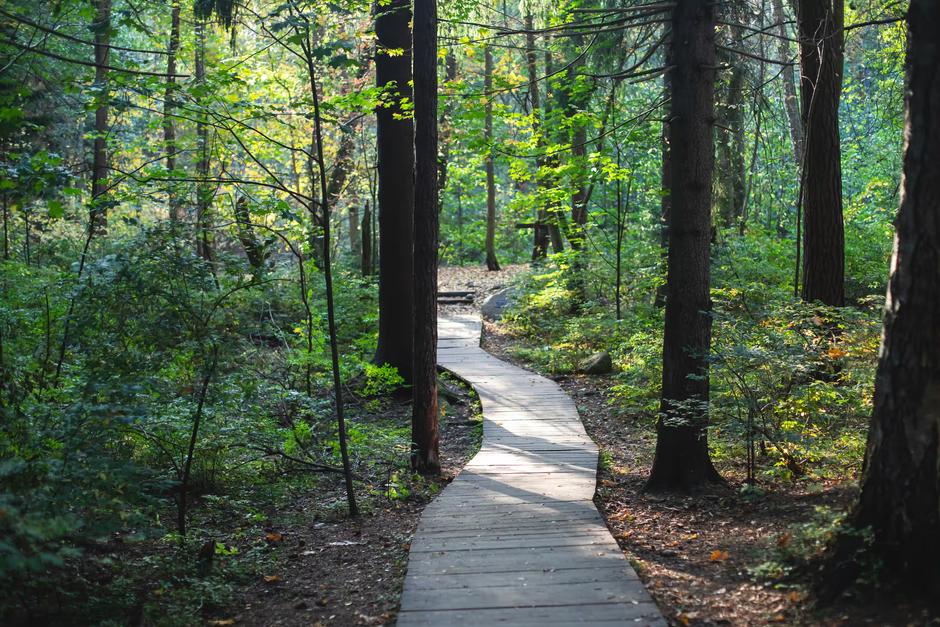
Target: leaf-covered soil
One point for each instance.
(701, 555)
(333, 570)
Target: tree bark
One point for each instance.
(540, 238)
(731, 177)
(425, 457)
(900, 488)
(254, 250)
(203, 190)
(98, 215)
(682, 461)
(790, 99)
(665, 202)
(492, 264)
(396, 183)
(174, 207)
(821, 36)
(367, 240)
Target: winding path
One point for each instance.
(516, 539)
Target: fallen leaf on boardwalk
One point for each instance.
(274, 536)
(272, 578)
(718, 556)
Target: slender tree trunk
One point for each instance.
(665, 203)
(446, 124)
(540, 232)
(731, 151)
(396, 183)
(174, 206)
(790, 99)
(553, 213)
(682, 461)
(328, 271)
(425, 457)
(900, 488)
(821, 35)
(367, 240)
(204, 191)
(98, 216)
(492, 264)
(355, 241)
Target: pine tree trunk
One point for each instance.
(396, 183)
(900, 489)
(174, 207)
(425, 457)
(98, 215)
(665, 202)
(821, 35)
(682, 460)
(492, 264)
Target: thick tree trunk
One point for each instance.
(682, 460)
(425, 457)
(900, 489)
(396, 183)
(174, 206)
(492, 264)
(790, 98)
(821, 35)
(98, 215)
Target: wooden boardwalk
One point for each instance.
(516, 539)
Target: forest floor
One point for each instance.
(333, 570)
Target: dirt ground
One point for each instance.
(350, 571)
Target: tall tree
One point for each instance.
(790, 100)
(540, 236)
(174, 206)
(682, 460)
(492, 263)
(730, 177)
(98, 216)
(900, 489)
(821, 35)
(204, 191)
(396, 183)
(424, 421)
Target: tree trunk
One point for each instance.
(367, 240)
(254, 250)
(731, 178)
(790, 98)
(492, 264)
(98, 215)
(900, 488)
(540, 237)
(396, 183)
(665, 202)
(821, 35)
(425, 457)
(203, 190)
(174, 207)
(355, 241)
(682, 460)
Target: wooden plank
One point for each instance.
(516, 539)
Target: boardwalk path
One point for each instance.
(516, 539)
